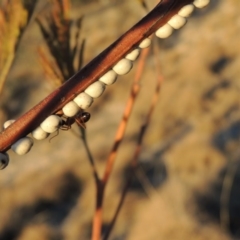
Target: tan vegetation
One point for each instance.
(192, 141)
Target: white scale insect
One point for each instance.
(85, 99)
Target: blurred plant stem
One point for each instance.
(62, 60)
(14, 19)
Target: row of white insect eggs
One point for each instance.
(82, 101)
(95, 90)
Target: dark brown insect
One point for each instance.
(81, 118)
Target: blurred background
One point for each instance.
(189, 177)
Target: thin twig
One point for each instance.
(129, 106)
(121, 130)
(11, 20)
(143, 129)
(90, 157)
(119, 206)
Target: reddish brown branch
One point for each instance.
(119, 206)
(97, 223)
(151, 109)
(139, 143)
(123, 124)
(91, 72)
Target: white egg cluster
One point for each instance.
(22, 146)
(179, 20)
(85, 99)
(82, 101)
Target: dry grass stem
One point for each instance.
(56, 30)
(139, 172)
(121, 131)
(14, 19)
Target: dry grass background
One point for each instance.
(191, 144)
